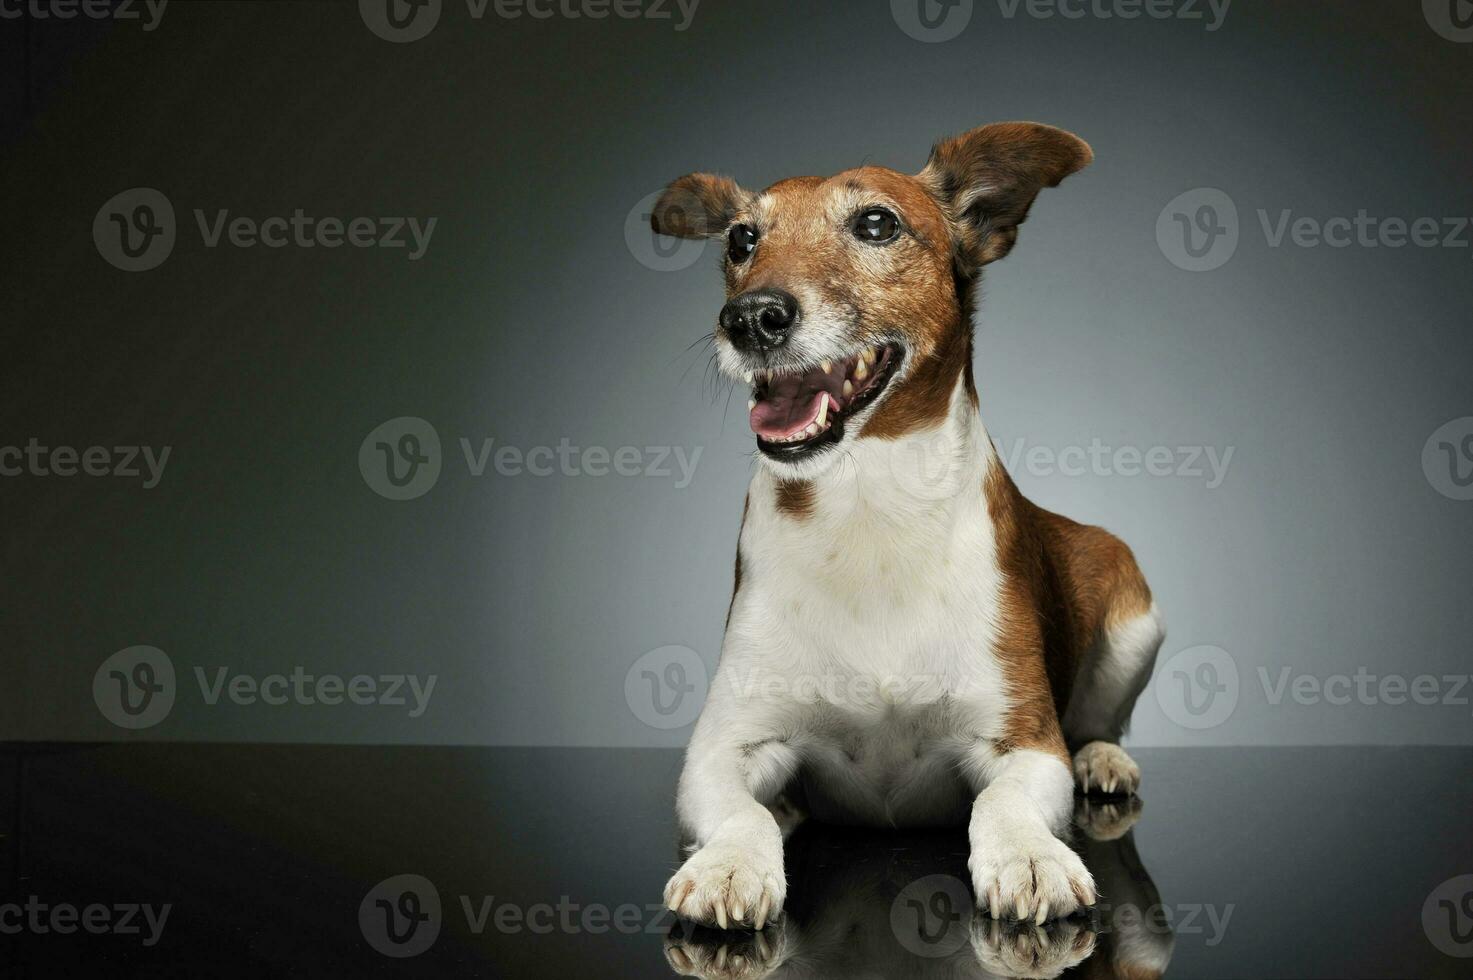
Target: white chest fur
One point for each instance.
(865, 624)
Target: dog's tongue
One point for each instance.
(780, 417)
(790, 402)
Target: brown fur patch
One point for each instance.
(795, 498)
(1064, 584)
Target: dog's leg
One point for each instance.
(1104, 694)
(735, 877)
(1020, 868)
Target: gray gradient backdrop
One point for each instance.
(532, 318)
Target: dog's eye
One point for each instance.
(740, 242)
(877, 225)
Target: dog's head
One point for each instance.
(849, 297)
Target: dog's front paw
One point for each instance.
(725, 958)
(729, 885)
(1104, 767)
(1030, 878)
(1027, 950)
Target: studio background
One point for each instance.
(541, 313)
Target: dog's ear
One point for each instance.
(697, 206)
(987, 178)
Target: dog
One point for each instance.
(910, 641)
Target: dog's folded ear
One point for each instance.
(987, 178)
(697, 206)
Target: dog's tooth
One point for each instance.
(827, 367)
(751, 404)
(848, 388)
(823, 408)
(747, 377)
(861, 371)
(868, 357)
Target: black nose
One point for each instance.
(760, 319)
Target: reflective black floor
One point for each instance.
(174, 860)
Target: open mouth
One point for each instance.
(796, 413)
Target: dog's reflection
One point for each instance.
(887, 904)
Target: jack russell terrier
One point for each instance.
(910, 642)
